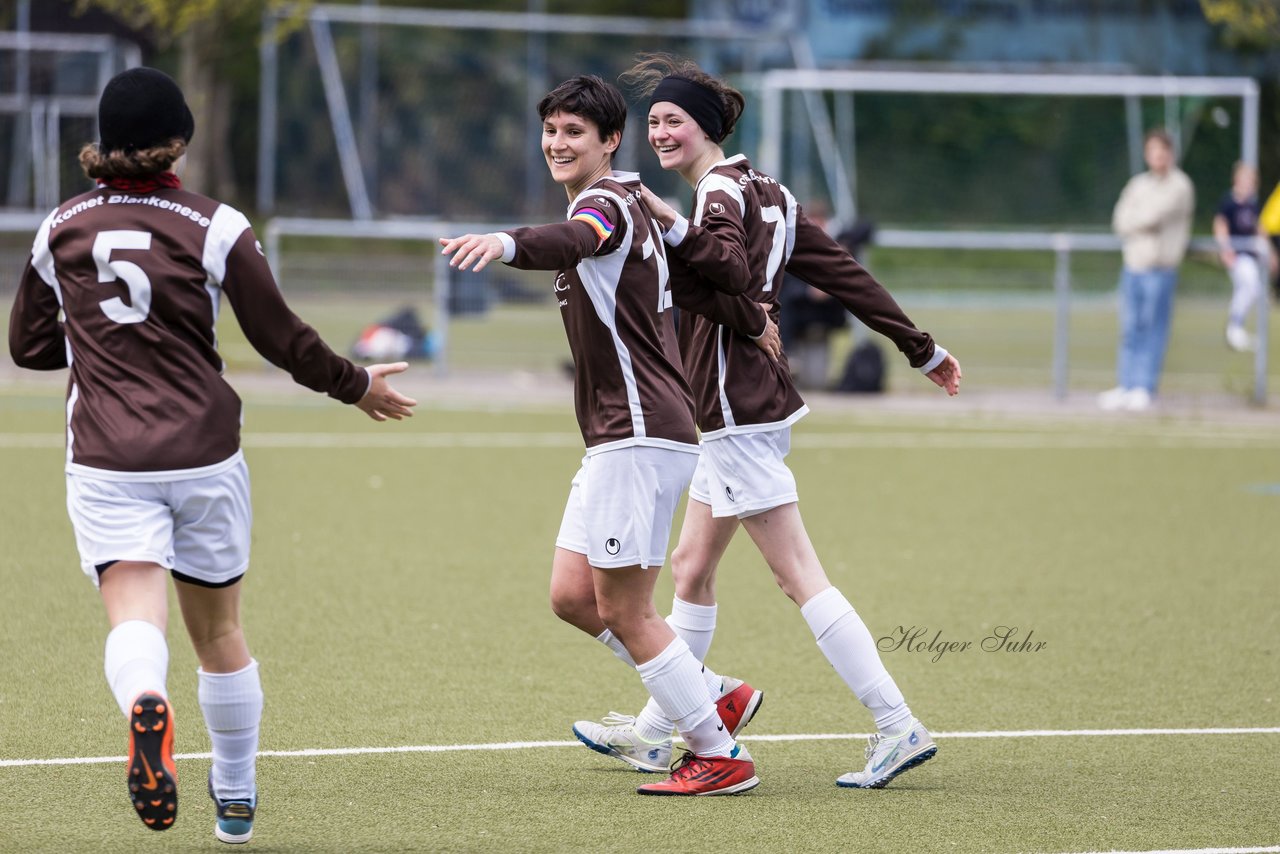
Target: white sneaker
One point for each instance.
(889, 757)
(617, 736)
(1239, 340)
(1137, 400)
(1113, 398)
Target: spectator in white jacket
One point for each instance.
(1153, 221)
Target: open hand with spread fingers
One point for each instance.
(472, 250)
(382, 401)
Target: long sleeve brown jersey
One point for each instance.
(138, 278)
(746, 230)
(614, 291)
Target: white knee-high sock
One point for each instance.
(232, 707)
(696, 625)
(609, 639)
(845, 641)
(675, 680)
(136, 659)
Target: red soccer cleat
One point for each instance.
(708, 775)
(153, 776)
(738, 704)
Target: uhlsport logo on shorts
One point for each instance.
(612, 545)
(728, 490)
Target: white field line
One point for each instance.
(955, 439)
(1271, 849)
(531, 745)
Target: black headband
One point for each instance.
(702, 104)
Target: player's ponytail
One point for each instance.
(652, 68)
(102, 165)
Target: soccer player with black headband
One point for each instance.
(745, 231)
(636, 415)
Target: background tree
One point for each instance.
(1251, 24)
(1253, 27)
(216, 43)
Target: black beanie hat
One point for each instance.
(142, 108)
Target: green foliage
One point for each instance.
(170, 19)
(1245, 24)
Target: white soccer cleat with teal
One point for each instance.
(616, 736)
(889, 757)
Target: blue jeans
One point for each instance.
(1146, 309)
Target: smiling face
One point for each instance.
(678, 140)
(576, 155)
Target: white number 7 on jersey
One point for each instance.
(108, 271)
(773, 214)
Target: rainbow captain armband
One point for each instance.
(597, 220)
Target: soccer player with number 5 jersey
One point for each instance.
(745, 231)
(156, 481)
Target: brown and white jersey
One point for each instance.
(613, 290)
(138, 277)
(746, 231)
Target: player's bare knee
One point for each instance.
(574, 608)
(625, 619)
(693, 575)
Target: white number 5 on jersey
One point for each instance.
(108, 271)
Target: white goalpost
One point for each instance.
(837, 156)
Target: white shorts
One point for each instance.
(621, 504)
(742, 474)
(198, 529)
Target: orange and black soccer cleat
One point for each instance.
(153, 776)
(737, 704)
(708, 775)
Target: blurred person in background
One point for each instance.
(156, 481)
(1235, 228)
(1153, 221)
(746, 230)
(809, 317)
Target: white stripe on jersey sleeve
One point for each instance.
(42, 255)
(42, 263)
(600, 277)
(225, 227)
(716, 181)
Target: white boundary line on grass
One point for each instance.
(1270, 849)
(530, 745)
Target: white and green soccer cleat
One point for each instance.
(617, 736)
(889, 757)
